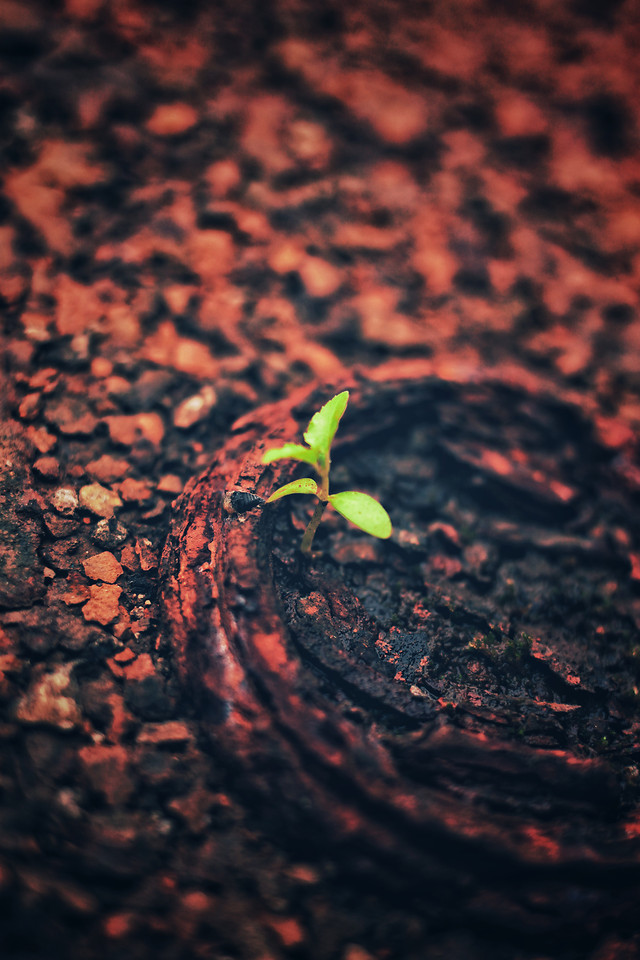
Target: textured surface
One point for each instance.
(203, 208)
(442, 739)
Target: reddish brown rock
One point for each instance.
(31, 502)
(106, 768)
(409, 539)
(170, 483)
(197, 901)
(284, 256)
(222, 177)
(309, 143)
(103, 605)
(78, 308)
(171, 119)
(446, 532)
(76, 898)
(42, 440)
(124, 656)
(13, 281)
(29, 407)
(46, 379)
(107, 469)
(448, 566)
(77, 590)
(141, 667)
(166, 347)
(47, 467)
(71, 416)
(397, 114)
(145, 551)
(127, 430)
(193, 809)
(36, 325)
(129, 558)
(123, 625)
(287, 929)
(355, 952)
(119, 925)
(115, 668)
(173, 731)
(360, 551)
(134, 491)
(178, 297)
(116, 386)
(39, 189)
(101, 367)
(320, 277)
(103, 566)
(211, 255)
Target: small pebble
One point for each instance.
(107, 469)
(171, 119)
(97, 499)
(134, 491)
(170, 483)
(129, 429)
(44, 701)
(29, 407)
(65, 501)
(194, 408)
(71, 416)
(145, 551)
(47, 467)
(103, 605)
(101, 367)
(359, 551)
(222, 177)
(320, 278)
(103, 566)
(42, 440)
(125, 655)
(172, 731)
(109, 533)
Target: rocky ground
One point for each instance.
(204, 208)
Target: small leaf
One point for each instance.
(364, 511)
(290, 451)
(323, 424)
(306, 485)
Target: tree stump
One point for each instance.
(453, 713)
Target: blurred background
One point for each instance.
(203, 207)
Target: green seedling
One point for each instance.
(359, 508)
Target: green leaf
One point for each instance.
(290, 451)
(323, 425)
(364, 511)
(306, 485)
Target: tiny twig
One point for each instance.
(314, 523)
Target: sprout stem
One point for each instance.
(309, 533)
